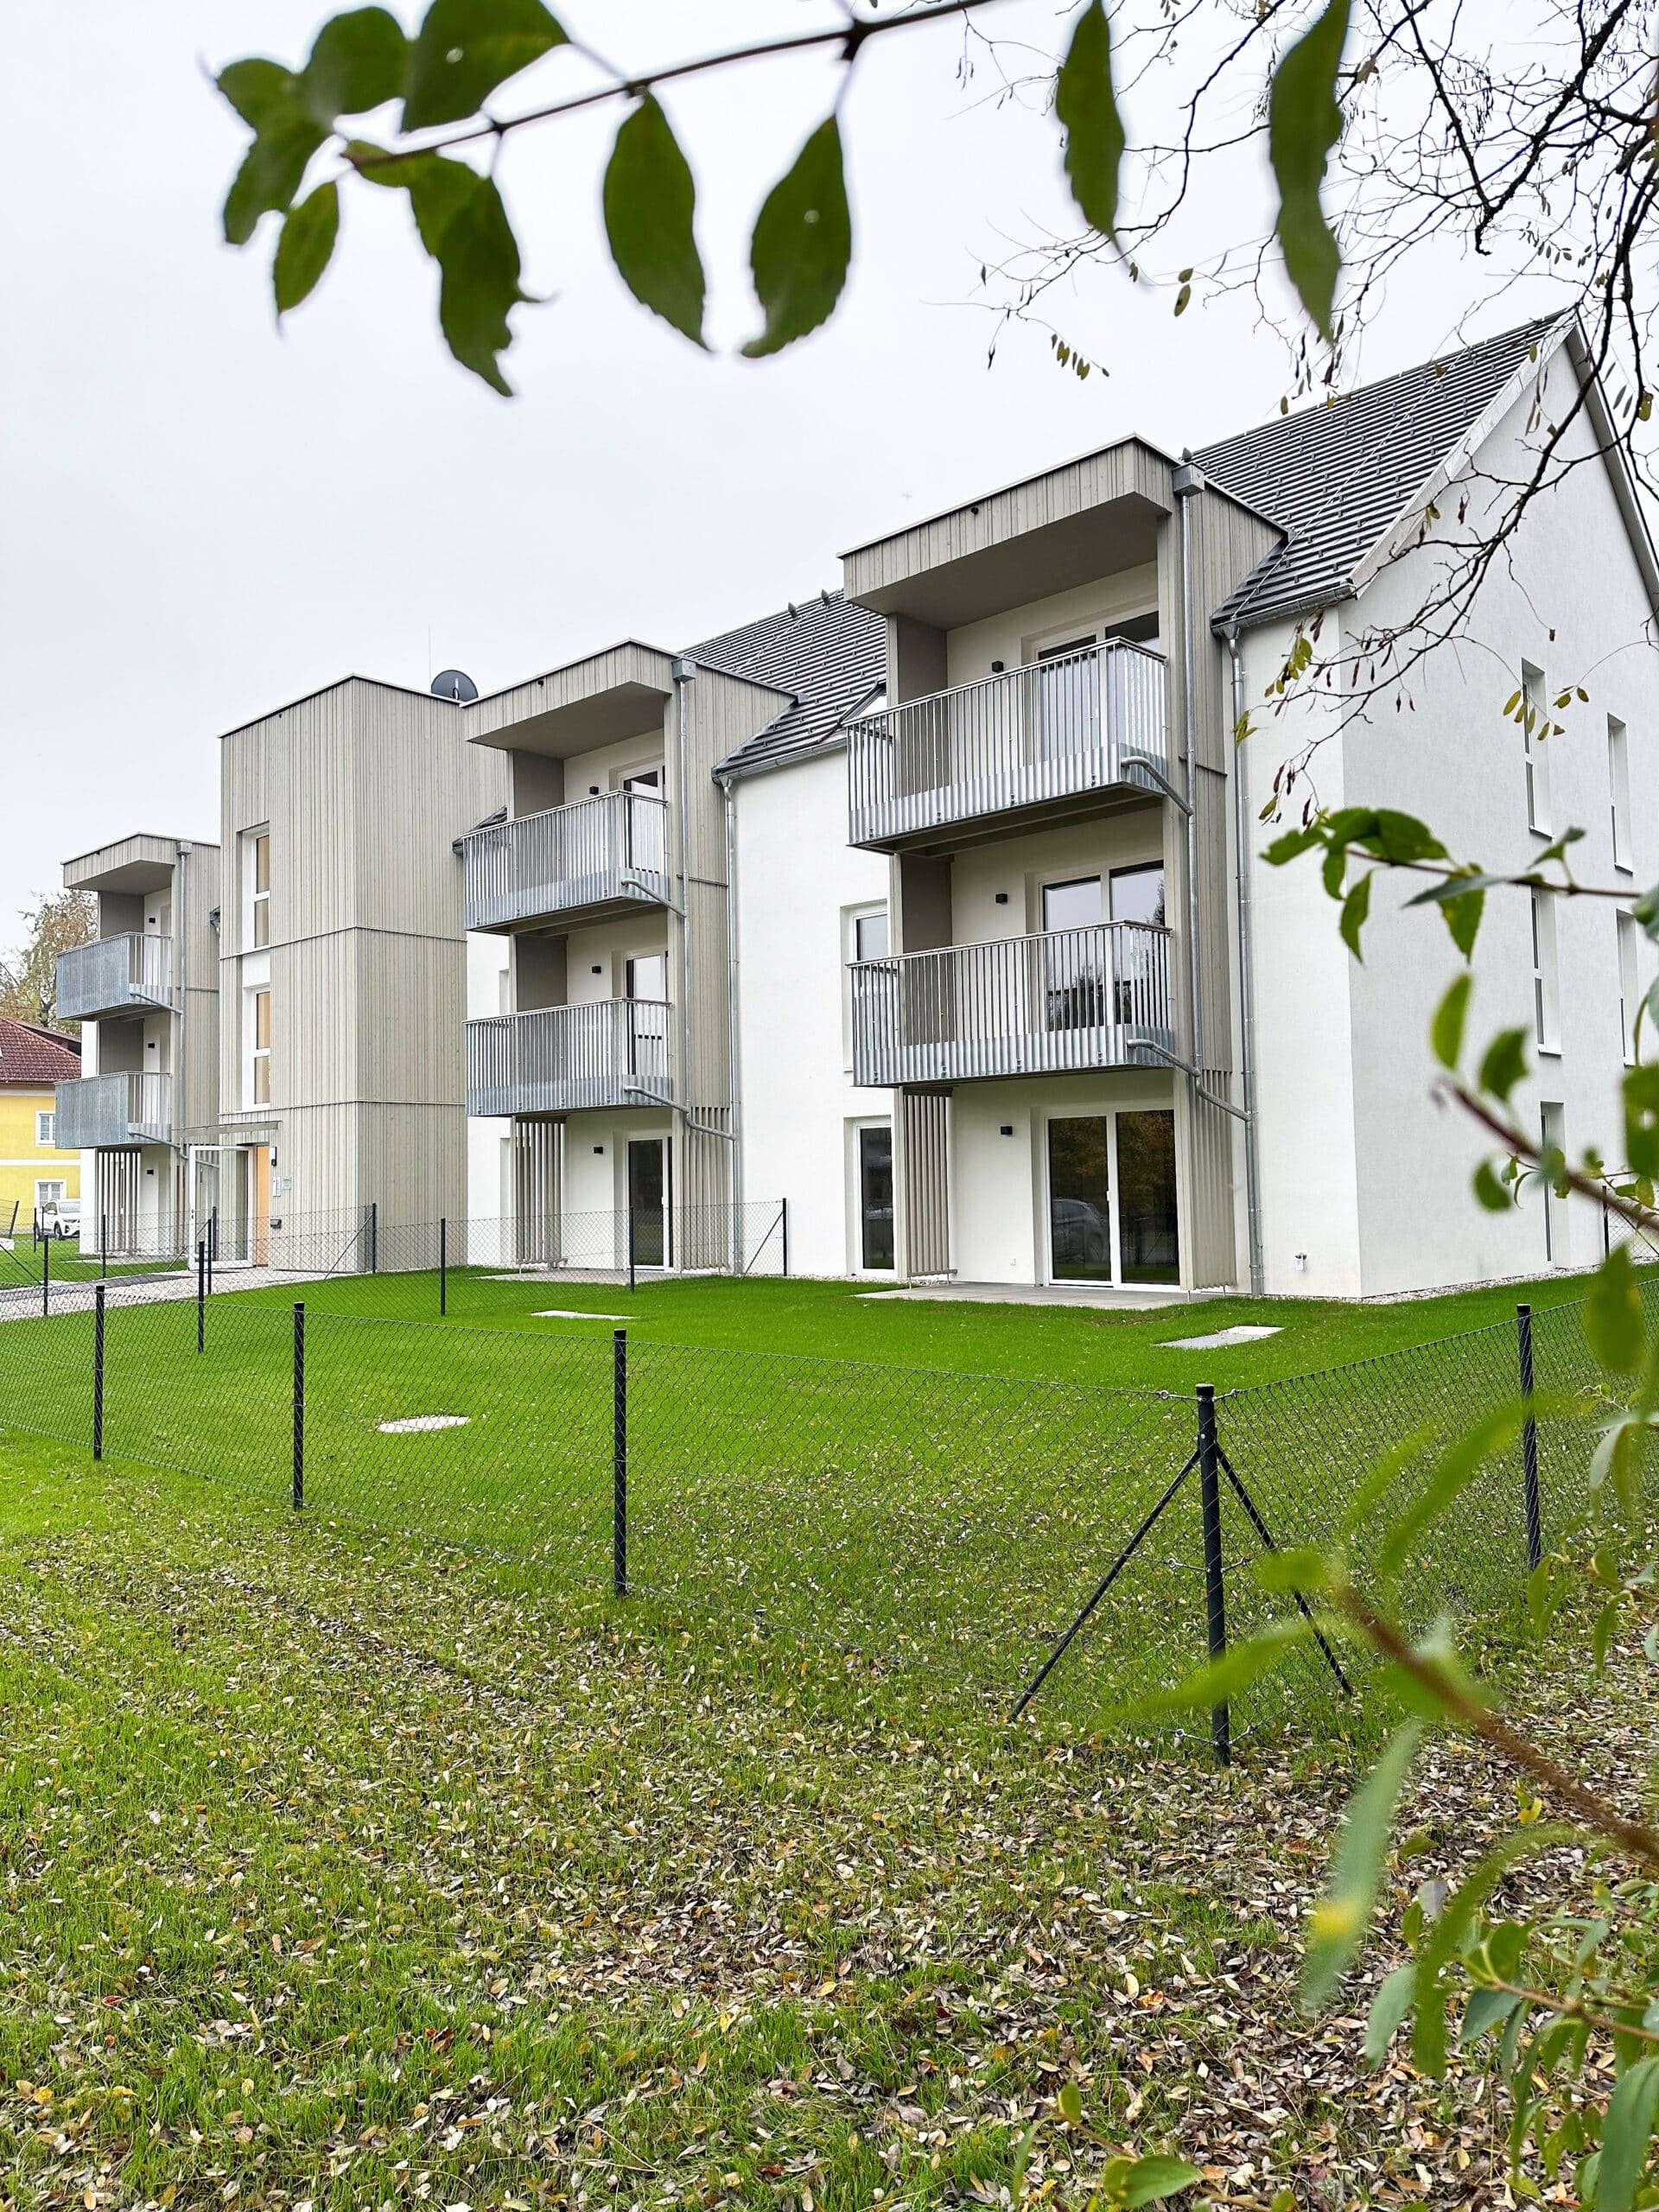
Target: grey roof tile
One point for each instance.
(829, 655)
(1335, 476)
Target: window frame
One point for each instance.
(1534, 701)
(1546, 974)
(46, 1124)
(260, 1048)
(1618, 782)
(1629, 981)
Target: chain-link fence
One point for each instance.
(434, 1268)
(933, 1539)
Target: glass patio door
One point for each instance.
(648, 1226)
(1080, 1199)
(1149, 1232)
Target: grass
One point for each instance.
(339, 1870)
(838, 1320)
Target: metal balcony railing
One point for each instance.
(127, 974)
(103, 1111)
(1050, 1004)
(561, 1059)
(593, 854)
(1078, 723)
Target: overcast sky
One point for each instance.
(204, 518)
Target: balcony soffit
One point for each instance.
(1091, 518)
(604, 700)
(140, 863)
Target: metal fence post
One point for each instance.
(620, 1462)
(104, 1247)
(444, 1263)
(97, 1372)
(631, 1283)
(201, 1293)
(1215, 1589)
(374, 1236)
(45, 1276)
(784, 1208)
(299, 1405)
(1530, 1441)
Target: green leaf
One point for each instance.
(261, 92)
(1293, 844)
(1463, 918)
(1086, 106)
(272, 171)
(1614, 1319)
(1356, 908)
(478, 256)
(1444, 1935)
(802, 245)
(1493, 1194)
(1304, 123)
(1505, 1063)
(1148, 2181)
(1624, 2136)
(1340, 1918)
(1446, 1032)
(357, 62)
(1220, 1679)
(650, 200)
(465, 49)
(1492, 1434)
(1070, 2101)
(436, 186)
(1641, 1095)
(1388, 2008)
(1485, 2008)
(305, 244)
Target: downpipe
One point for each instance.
(1188, 481)
(733, 1040)
(1246, 973)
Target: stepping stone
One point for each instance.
(423, 1422)
(1240, 1334)
(575, 1313)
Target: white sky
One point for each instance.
(204, 519)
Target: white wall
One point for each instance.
(797, 878)
(1362, 1169)
(1019, 867)
(489, 1164)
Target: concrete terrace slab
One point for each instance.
(1218, 1339)
(1105, 1296)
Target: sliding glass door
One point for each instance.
(1112, 1214)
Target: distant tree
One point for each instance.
(28, 979)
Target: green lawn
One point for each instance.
(339, 1870)
(837, 1320)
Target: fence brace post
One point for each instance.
(201, 1293)
(1214, 1589)
(443, 1264)
(1530, 1441)
(97, 1372)
(620, 1462)
(299, 1405)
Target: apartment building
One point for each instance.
(146, 992)
(36, 1183)
(934, 907)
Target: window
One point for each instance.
(44, 1121)
(1546, 975)
(1535, 727)
(870, 936)
(261, 1086)
(1137, 894)
(50, 1194)
(259, 918)
(1552, 1130)
(875, 1243)
(1618, 779)
(647, 977)
(1075, 954)
(1630, 991)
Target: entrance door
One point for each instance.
(648, 1202)
(1146, 1226)
(1080, 1200)
(875, 1197)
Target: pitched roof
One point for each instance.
(1335, 476)
(829, 655)
(35, 1059)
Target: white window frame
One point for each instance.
(50, 1190)
(850, 919)
(855, 1125)
(1630, 985)
(1552, 1130)
(1618, 783)
(1546, 974)
(258, 1054)
(255, 903)
(45, 1126)
(1535, 719)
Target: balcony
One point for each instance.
(132, 974)
(564, 1059)
(598, 856)
(103, 1111)
(1056, 1003)
(1028, 746)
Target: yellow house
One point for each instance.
(33, 1062)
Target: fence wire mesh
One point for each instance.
(932, 1535)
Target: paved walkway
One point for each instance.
(1142, 1298)
(22, 1302)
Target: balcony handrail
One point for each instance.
(594, 1052)
(500, 831)
(876, 724)
(145, 976)
(117, 1108)
(895, 960)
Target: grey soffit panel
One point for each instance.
(1335, 476)
(829, 655)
